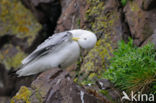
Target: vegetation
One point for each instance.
(101, 24)
(132, 68)
(23, 95)
(123, 2)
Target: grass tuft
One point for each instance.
(132, 68)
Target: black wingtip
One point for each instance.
(12, 72)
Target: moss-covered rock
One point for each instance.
(141, 23)
(11, 56)
(27, 95)
(23, 96)
(18, 21)
(102, 20)
(15, 61)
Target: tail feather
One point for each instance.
(19, 73)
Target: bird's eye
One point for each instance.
(85, 38)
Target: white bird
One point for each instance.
(60, 50)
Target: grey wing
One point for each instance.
(47, 46)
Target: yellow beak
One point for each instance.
(75, 39)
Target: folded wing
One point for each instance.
(47, 46)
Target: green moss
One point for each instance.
(101, 23)
(86, 82)
(91, 76)
(23, 94)
(104, 92)
(75, 80)
(15, 61)
(96, 60)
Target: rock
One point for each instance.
(54, 86)
(99, 17)
(151, 39)
(148, 4)
(5, 83)
(102, 17)
(104, 84)
(18, 30)
(72, 16)
(17, 20)
(47, 13)
(4, 99)
(37, 2)
(45, 81)
(22, 96)
(108, 89)
(11, 56)
(141, 23)
(22, 30)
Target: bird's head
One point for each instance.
(85, 39)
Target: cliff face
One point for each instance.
(27, 26)
(24, 25)
(18, 29)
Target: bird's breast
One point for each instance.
(72, 53)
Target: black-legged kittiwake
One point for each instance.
(60, 50)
